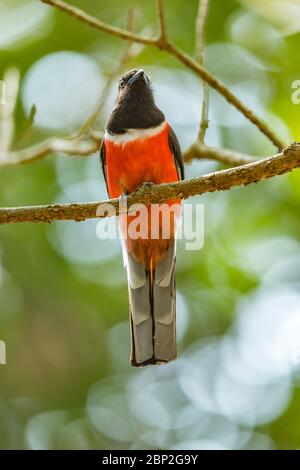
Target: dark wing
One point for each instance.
(176, 150)
(103, 162)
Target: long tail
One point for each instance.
(152, 300)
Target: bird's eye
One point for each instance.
(122, 83)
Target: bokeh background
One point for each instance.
(63, 295)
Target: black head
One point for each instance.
(135, 107)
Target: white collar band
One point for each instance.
(134, 134)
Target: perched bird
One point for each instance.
(140, 146)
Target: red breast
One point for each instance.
(133, 162)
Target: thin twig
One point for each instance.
(200, 29)
(180, 55)
(126, 55)
(93, 116)
(204, 122)
(148, 193)
(27, 129)
(199, 53)
(162, 23)
(227, 157)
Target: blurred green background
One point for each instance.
(63, 295)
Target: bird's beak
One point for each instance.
(140, 75)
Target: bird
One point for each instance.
(140, 146)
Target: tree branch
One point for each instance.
(180, 55)
(48, 147)
(100, 25)
(72, 145)
(86, 148)
(148, 193)
(227, 94)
